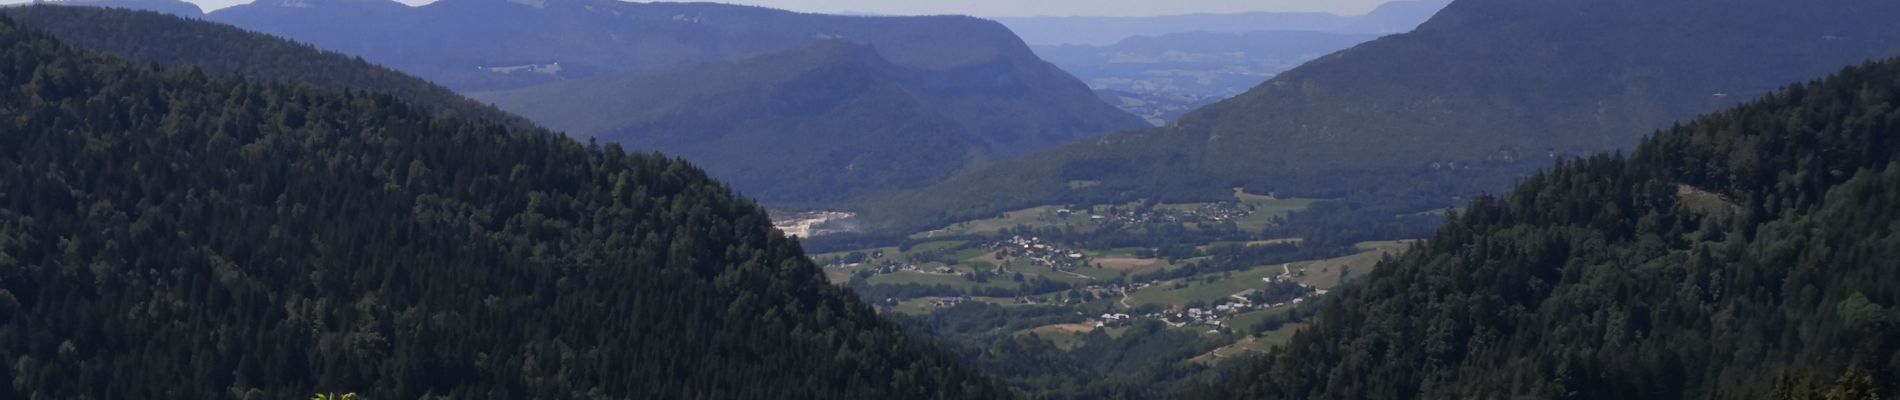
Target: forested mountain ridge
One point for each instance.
(460, 43)
(599, 68)
(824, 121)
(1750, 254)
(169, 234)
(222, 49)
(1478, 95)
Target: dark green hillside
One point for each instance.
(168, 235)
(222, 49)
(1752, 254)
(1484, 89)
(820, 122)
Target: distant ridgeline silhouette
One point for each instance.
(1475, 98)
(920, 99)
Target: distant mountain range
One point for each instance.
(1392, 17)
(971, 89)
(827, 120)
(1458, 106)
(484, 45)
(1163, 77)
(1160, 68)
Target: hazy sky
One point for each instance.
(1010, 8)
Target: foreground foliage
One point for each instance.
(1598, 280)
(167, 234)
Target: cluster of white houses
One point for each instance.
(1215, 317)
(1218, 212)
(1038, 252)
(947, 302)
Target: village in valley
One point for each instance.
(1031, 251)
(1205, 268)
(1206, 213)
(1275, 292)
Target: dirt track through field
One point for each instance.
(1122, 263)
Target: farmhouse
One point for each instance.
(1245, 296)
(1114, 320)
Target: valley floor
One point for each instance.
(1098, 280)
